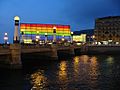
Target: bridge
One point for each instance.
(11, 54)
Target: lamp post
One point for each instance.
(22, 42)
(54, 35)
(5, 38)
(93, 37)
(89, 39)
(45, 38)
(63, 38)
(37, 39)
(16, 35)
(71, 37)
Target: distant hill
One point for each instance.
(87, 31)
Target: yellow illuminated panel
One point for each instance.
(27, 40)
(79, 38)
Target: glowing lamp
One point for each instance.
(93, 36)
(37, 37)
(54, 28)
(16, 18)
(5, 38)
(37, 40)
(71, 33)
(45, 34)
(37, 32)
(6, 34)
(63, 39)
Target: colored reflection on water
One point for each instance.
(62, 71)
(110, 60)
(38, 80)
(84, 72)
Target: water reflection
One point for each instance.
(38, 80)
(76, 68)
(86, 70)
(62, 71)
(84, 58)
(110, 60)
(76, 65)
(93, 71)
(63, 76)
(80, 73)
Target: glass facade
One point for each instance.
(30, 31)
(79, 38)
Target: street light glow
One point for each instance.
(54, 27)
(71, 32)
(37, 37)
(6, 34)
(37, 32)
(45, 33)
(5, 38)
(16, 18)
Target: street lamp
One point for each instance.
(63, 39)
(54, 35)
(37, 39)
(45, 38)
(71, 37)
(89, 39)
(93, 37)
(5, 38)
(22, 38)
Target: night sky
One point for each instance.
(80, 14)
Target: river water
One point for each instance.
(95, 72)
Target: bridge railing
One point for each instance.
(102, 45)
(35, 46)
(4, 46)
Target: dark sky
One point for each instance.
(80, 14)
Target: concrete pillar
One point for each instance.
(16, 34)
(72, 50)
(15, 56)
(54, 55)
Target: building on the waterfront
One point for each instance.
(79, 38)
(83, 35)
(107, 30)
(32, 32)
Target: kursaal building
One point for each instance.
(37, 32)
(107, 30)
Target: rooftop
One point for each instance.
(108, 17)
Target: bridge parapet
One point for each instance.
(3, 46)
(34, 46)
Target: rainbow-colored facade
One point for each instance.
(31, 30)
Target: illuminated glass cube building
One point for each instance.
(30, 31)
